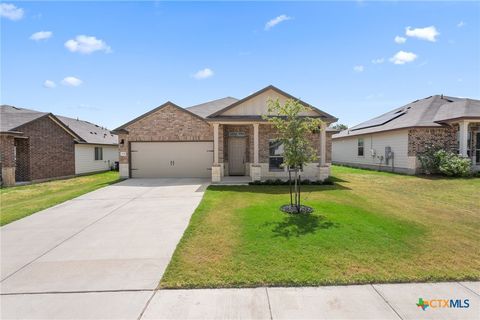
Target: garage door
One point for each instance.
(171, 159)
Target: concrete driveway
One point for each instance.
(119, 238)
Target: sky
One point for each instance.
(108, 62)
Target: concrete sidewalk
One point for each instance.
(384, 301)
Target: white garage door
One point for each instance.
(171, 159)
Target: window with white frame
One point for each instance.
(360, 147)
(275, 155)
(98, 153)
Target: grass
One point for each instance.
(368, 227)
(22, 201)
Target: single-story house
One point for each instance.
(224, 137)
(393, 140)
(36, 146)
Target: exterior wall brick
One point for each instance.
(52, 149)
(7, 156)
(166, 124)
(418, 138)
(267, 132)
(22, 170)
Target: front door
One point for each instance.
(237, 147)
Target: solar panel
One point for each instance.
(381, 120)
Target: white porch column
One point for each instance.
(463, 138)
(323, 144)
(255, 143)
(215, 143)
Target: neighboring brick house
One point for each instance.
(215, 139)
(393, 140)
(38, 146)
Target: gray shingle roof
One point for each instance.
(12, 117)
(465, 108)
(419, 113)
(89, 132)
(205, 109)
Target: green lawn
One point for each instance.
(22, 201)
(368, 227)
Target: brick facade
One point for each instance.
(267, 132)
(166, 124)
(22, 163)
(7, 155)
(51, 148)
(171, 123)
(418, 138)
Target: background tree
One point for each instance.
(339, 126)
(293, 132)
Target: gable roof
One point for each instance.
(89, 132)
(271, 87)
(123, 127)
(13, 117)
(419, 113)
(205, 109)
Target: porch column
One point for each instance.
(463, 138)
(255, 143)
(215, 143)
(255, 168)
(323, 144)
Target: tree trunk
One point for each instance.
(290, 185)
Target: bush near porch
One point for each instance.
(369, 227)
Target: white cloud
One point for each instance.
(41, 35)
(203, 74)
(400, 40)
(49, 84)
(71, 82)
(86, 45)
(461, 24)
(402, 57)
(10, 11)
(272, 23)
(427, 33)
(359, 68)
(378, 61)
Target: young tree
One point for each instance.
(293, 131)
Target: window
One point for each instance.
(98, 153)
(275, 156)
(360, 147)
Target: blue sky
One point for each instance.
(112, 61)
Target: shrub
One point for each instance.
(437, 160)
(452, 165)
(279, 182)
(429, 160)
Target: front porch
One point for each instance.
(247, 151)
(469, 141)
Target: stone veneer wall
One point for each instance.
(418, 138)
(166, 124)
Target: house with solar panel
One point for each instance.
(392, 140)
